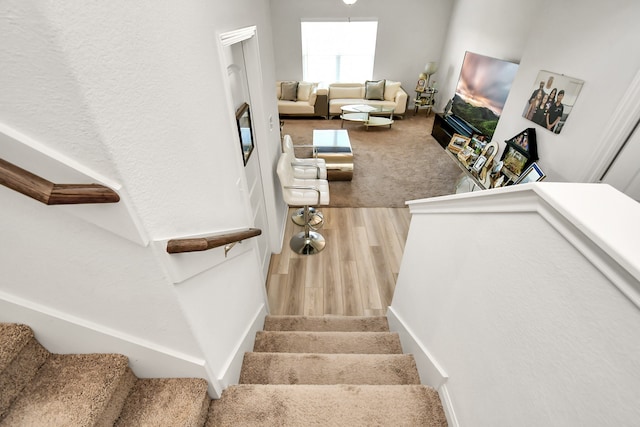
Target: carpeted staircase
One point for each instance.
(341, 371)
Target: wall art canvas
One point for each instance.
(552, 99)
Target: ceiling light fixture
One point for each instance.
(349, 2)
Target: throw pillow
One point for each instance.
(374, 90)
(304, 90)
(390, 90)
(289, 91)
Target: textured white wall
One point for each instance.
(497, 28)
(132, 90)
(528, 330)
(154, 90)
(41, 95)
(593, 46)
(53, 259)
(410, 34)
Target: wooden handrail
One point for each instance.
(49, 193)
(175, 246)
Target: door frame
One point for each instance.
(617, 132)
(262, 126)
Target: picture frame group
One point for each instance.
(517, 164)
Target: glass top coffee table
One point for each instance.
(335, 148)
(368, 115)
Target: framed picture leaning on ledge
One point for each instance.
(458, 142)
(521, 151)
(532, 174)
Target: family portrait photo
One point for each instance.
(552, 99)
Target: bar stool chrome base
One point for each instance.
(298, 216)
(307, 244)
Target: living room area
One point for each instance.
(519, 34)
(404, 161)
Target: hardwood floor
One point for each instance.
(355, 275)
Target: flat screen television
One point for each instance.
(482, 90)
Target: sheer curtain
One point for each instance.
(338, 51)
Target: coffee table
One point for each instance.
(368, 115)
(334, 147)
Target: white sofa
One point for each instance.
(309, 100)
(341, 94)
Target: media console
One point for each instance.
(444, 126)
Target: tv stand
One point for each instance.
(445, 126)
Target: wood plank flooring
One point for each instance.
(355, 275)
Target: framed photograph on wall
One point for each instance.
(552, 99)
(458, 142)
(245, 131)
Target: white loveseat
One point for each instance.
(308, 99)
(341, 94)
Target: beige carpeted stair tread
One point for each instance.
(327, 405)
(21, 355)
(74, 390)
(300, 368)
(13, 337)
(326, 323)
(327, 342)
(169, 402)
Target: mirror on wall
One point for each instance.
(243, 117)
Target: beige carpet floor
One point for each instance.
(391, 165)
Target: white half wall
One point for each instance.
(224, 305)
(528, 298)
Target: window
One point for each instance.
(338, 51)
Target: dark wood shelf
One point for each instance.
(443, 130)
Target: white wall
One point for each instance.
(410, 34)
(591, 43)
(530, 321)
(497, 28)
(53, 259)
(594, 48)
(134, 91)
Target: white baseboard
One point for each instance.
(231, 373)
(64, 334)
(431, 373)
(447, 406)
